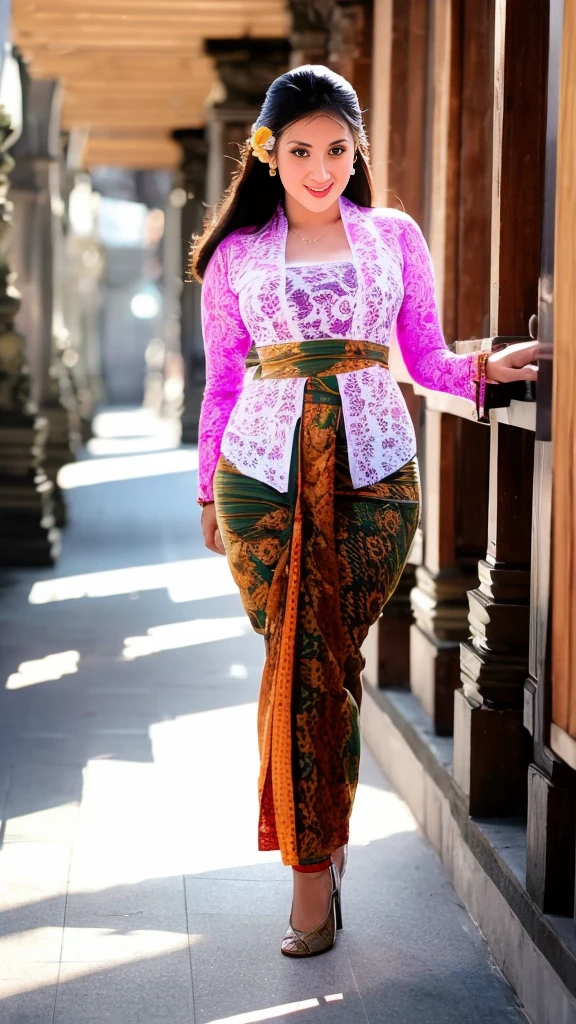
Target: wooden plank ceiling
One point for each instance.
(134, 70)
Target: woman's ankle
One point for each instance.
(311, 898)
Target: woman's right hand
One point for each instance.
(212, 538)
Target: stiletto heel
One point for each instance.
(322, 938)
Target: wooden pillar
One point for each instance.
(28, 535)
(491, 748)
(408, 107)
(381, 107)
(350, 45)
(405, 122)
(454, 466)
(551, 831)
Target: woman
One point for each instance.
(308, 469)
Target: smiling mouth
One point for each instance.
(319, 193)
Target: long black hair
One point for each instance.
(253, 194)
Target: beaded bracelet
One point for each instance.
(483, 358)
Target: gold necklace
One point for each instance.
(310, 240)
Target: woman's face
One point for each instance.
(314, 157)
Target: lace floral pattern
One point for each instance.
(321, 298)
(249, 295)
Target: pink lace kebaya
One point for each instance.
(249, 295)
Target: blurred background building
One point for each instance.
(119, 127)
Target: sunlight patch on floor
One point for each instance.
(184, 634)
(131, 423)
(272, 1012)
(48, 824)
(44, 670)
(193, 579)
(28, 981)
(130, 467)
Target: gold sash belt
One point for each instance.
(318, 358)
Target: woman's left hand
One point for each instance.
(515, 362)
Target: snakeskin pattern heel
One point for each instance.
(299, 944)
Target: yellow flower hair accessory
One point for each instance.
(261, 143)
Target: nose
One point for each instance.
(319, 174)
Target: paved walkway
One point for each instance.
(131, 889)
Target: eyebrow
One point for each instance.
(298, 142)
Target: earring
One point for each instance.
(353, 171)
(272, 172)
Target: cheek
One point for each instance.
(342, 169)
(292, 171)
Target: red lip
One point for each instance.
(319, 195)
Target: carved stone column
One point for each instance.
(83, 273)
(310, 35)
(28, 535)
(246, 67)
(39, 258)
(187, 206)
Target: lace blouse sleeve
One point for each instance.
(428, 359)
(226, 345)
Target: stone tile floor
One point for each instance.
(131, 889)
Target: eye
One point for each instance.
(298, 152)
(340, 149)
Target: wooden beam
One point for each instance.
(69, 64)
(23, 9)
(177, 39)
(109, 123)
(140, 153)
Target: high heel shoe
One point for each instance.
(322, 938)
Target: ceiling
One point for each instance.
(134, 70)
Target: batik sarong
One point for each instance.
(314, 566)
